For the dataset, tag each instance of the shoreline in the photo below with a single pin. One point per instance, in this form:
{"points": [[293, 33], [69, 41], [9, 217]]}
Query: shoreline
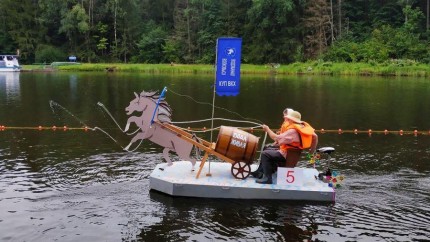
{"points": [[394, 68]]}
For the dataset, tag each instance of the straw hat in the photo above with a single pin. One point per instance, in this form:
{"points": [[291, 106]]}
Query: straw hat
{"points": [[286, 111], [294, 116]]}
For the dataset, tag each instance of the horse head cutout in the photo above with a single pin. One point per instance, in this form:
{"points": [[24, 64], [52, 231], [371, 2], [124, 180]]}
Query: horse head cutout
{"points": [[148, 104]]}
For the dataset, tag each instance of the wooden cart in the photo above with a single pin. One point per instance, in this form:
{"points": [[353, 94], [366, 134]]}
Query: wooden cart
{"points": [[239, 169]]}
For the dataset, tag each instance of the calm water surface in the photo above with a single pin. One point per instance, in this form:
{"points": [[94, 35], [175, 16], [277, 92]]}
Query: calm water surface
{"points": [[81, 186]]}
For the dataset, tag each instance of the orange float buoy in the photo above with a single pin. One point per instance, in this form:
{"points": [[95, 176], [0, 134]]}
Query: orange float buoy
{"points": [[339, 131], [40, 127], [401, 132], [54, 127], [64, 127], [415, 132], [385, 132], [322, 131], [355, 131], [86, 128]]}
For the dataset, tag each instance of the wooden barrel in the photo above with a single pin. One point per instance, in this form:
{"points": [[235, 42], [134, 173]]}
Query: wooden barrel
{"points": [[236, 144]]}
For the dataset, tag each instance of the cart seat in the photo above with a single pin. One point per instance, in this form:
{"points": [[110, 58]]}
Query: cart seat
{"points": [[293, 156]]}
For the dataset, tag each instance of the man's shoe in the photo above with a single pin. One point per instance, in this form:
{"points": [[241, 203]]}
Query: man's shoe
{"points": [[257, 174], [264, 180]]}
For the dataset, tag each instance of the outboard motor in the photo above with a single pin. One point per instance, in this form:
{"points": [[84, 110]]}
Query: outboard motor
{"points": [[324, 176]]}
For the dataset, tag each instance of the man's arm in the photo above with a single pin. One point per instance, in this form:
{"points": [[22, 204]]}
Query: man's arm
{"points": [[288, 137], [271, 134], [314, 143]]}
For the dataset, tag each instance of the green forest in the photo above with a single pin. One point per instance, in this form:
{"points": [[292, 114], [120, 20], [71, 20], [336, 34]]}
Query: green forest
{"points": [[185, 31]]}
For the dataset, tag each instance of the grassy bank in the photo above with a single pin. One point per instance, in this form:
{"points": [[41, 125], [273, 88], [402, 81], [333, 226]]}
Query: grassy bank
{"points": [[392, 68]]}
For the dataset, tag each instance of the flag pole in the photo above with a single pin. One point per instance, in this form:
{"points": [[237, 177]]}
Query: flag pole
{"points": [[214, 92], [213, 104], [213, 111]]}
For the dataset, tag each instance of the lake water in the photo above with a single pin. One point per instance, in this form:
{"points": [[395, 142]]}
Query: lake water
{"points": [[78, 185]]}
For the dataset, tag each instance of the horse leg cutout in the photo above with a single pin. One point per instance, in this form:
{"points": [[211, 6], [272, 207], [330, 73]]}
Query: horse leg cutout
{"points": [[193, 163], [166, 156], [183, 149], [130, 120], [138, 136], [127, 127]]}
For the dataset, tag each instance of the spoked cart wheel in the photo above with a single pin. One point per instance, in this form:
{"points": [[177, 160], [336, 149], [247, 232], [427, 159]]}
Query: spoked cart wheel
{"points": [[240, 170]]}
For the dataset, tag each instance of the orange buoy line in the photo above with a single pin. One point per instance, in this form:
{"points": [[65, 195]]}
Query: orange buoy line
{"points": [[253, 129], [370, 131], [40, 128], [341, 131]]}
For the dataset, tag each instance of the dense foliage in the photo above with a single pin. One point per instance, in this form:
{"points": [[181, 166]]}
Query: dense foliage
{"points": [[185, 31]]}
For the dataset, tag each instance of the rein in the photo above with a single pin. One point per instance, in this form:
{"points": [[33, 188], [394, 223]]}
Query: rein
{"points": [[158, 103]]}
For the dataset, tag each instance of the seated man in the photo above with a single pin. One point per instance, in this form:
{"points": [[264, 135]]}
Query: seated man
{"points": [[298, 135], [274, 146]]}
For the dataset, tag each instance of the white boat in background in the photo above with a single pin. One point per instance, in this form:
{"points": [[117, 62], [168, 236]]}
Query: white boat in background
{"points": [[9, 63]]}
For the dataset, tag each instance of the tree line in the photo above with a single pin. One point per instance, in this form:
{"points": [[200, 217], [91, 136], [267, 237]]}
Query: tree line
{"points": [[185, 31]]}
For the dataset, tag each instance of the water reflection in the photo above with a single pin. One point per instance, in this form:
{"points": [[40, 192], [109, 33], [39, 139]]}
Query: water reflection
{"points": [[10, 86], [73, 83], [231, 220]]}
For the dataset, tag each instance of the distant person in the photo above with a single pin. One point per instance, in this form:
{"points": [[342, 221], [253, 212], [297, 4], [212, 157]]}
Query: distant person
{"points": [[298, 135]]}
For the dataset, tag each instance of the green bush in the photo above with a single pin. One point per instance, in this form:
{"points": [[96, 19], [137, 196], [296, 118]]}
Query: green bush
{"points": [[150, 44], [385, 43], [328, 63], [48, 54]]}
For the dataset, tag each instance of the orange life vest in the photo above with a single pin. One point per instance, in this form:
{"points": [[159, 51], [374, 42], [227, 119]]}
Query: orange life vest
{"points": [[284, 127], [305, 132]]}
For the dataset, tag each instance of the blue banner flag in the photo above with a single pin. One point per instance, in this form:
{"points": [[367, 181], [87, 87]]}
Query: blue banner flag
{"points": [[228, 66]]}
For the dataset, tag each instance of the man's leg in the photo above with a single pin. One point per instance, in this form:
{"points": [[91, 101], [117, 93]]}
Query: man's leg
{"points": [[259, 172], [269, 159]]}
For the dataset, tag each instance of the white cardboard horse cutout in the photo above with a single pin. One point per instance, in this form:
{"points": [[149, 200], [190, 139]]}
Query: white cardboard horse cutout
{"points": [[146, 103]]}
